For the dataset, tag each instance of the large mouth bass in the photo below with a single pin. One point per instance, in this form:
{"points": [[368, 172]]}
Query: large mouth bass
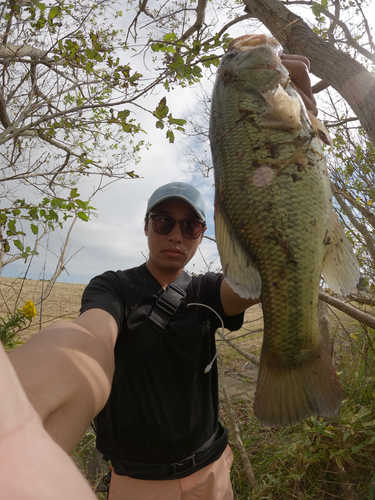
{"points": [[275, 228]]}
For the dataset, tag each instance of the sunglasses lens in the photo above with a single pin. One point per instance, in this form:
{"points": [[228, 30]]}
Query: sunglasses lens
{"points": [[162, 224], [191, 229]]}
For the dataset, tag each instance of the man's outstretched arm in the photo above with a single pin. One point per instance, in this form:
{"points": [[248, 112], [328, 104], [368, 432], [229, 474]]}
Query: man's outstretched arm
{"points": [[66, 372], [33, 466]]}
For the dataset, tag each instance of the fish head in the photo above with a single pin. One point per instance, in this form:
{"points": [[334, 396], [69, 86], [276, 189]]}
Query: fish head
{"points": [[255, 60]]}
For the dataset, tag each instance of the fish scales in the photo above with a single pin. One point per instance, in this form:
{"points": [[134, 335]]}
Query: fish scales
{"points": [[274, 226]]}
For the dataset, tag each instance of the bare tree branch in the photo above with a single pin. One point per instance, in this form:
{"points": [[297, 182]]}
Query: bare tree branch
{"points": [[237, 435], [351, 311], [201, 11]]}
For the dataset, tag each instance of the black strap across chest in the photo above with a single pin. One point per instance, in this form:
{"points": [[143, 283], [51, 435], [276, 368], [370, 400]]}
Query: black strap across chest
{"points": [[165, 307], [169, 301]]}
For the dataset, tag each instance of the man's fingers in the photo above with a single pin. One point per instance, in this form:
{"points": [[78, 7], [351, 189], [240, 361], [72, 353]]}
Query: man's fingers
{"points": [[298, 67], [296, 57]]}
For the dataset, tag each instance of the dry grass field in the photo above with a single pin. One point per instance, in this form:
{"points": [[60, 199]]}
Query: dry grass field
{"points": [[62, 303]]}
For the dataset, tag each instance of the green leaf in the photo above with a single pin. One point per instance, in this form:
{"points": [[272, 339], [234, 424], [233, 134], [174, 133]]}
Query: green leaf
{"points": [[34, 228], [159, 124], [162, 109], [170, 136], [176, 121], [54, 11], [177, 63], [81, 204], [122, 115], [18, 244], [33, 213], [169, 37], [83, 216], [53, 215], [12, 226], [41, 23], [41, 6], [197, 71], [74, 193]]}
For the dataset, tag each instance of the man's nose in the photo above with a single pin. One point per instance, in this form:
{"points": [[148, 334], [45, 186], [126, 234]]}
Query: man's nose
{"points": [[176, 234]]}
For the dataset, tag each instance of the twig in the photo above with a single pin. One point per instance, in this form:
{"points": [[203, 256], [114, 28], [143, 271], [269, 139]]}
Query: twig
{"points": [[251, 357], [351, 311], [237, 437]]}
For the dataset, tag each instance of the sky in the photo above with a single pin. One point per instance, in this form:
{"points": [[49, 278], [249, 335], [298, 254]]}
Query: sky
{"points": [[115, 238]]}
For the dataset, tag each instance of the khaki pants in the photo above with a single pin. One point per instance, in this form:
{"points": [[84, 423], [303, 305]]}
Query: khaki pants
{"points": [[210, 483]]}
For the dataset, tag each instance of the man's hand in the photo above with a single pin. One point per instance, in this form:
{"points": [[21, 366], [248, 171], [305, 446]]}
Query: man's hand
{"points": [[33, 466], [299, 67]]}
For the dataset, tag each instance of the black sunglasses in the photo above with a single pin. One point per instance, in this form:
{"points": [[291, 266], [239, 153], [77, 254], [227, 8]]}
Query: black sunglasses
{"points": [[190, 228]]}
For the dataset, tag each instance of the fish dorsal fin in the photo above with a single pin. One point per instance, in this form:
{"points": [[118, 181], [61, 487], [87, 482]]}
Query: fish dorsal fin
{"points": [[239, 270], [340, 265]]}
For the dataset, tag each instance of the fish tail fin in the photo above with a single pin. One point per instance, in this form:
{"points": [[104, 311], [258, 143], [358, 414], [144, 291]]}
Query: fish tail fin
{"points": [[286, 396]]}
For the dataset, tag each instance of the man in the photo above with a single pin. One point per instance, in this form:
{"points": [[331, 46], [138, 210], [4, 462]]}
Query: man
{"points": [[160, 426], [67, 370]]}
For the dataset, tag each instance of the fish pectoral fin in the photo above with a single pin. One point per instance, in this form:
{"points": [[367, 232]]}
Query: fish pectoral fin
{"points": [[283, 111], [239, 269], [286, 395], [320, 129], [340, 265]]}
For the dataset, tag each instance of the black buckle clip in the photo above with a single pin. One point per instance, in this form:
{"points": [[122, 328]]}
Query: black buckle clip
{"points": [[185, 464], [170, 299]]}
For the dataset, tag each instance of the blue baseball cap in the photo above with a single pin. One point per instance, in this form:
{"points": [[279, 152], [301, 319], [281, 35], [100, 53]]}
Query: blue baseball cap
{"points": [[181, 191]]}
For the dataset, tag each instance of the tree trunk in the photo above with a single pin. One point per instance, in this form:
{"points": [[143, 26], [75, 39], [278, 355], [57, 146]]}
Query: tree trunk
{"points": [[342, 72]]}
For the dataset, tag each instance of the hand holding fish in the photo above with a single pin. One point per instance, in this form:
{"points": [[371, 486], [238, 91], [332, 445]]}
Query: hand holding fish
{"points": [[298, 68]]}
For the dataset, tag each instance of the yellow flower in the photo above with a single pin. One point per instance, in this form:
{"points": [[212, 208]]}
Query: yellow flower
{"points": [[29, 310]]}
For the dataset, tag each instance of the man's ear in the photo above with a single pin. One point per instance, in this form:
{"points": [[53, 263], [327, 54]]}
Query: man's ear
{"points": [[146, 227], [204, 230]]}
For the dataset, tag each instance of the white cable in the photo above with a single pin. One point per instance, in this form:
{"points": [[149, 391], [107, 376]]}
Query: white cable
{"points": [[209, 366]]}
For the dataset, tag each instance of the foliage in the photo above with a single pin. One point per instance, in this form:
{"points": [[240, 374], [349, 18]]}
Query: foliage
{"points": [[14, 323], [69, 101], [89, 461], [47, 215], [352, 169], [60, 86], [320, 458]]}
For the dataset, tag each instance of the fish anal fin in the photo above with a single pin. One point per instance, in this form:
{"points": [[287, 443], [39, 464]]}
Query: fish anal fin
{"points": [[239, 269], [340, 266], [285, 396]]}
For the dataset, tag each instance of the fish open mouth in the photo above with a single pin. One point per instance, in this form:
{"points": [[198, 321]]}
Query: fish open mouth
{"points": [[246, 42]]}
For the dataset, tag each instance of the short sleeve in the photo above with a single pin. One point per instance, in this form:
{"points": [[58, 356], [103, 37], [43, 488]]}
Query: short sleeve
{"points": [[104, 292], [209, 288]]}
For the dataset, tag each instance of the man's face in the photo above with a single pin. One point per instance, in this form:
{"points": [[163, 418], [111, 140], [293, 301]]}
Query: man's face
{"points": [[171, 252]]}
